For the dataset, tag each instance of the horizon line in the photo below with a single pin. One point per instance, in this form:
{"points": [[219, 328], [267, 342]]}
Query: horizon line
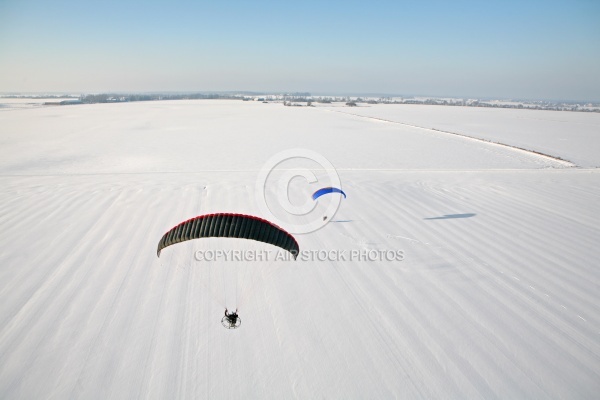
{"points": [[287, 93]]}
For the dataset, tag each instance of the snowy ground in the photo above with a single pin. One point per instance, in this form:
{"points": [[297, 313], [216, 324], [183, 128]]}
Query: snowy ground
{"points": [[498, 295], [573, 136]]}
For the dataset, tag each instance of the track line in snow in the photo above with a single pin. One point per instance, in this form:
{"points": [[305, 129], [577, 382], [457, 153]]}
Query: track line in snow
{"points": [[564, 163], [470, 261], [392, 356], [513, 297], [518, 278], [406, 238], [545, 294]]}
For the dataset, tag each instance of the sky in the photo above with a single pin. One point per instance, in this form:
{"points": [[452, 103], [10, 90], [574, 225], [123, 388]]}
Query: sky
{"points": [[476, 49]]}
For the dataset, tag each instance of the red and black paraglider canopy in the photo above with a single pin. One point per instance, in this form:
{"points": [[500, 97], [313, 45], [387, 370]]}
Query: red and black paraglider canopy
{"points": [[231, 226]]}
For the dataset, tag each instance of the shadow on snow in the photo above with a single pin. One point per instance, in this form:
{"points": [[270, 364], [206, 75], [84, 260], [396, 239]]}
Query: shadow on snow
{"points": [[452, 216]]}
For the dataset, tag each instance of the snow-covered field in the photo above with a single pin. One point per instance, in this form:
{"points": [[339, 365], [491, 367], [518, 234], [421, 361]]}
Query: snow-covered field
{"points": [[574, 136], [498, 294]]}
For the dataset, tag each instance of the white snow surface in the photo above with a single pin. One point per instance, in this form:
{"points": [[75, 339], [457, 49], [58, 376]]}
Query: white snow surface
{"points": [[573, 136], [497, 295]]}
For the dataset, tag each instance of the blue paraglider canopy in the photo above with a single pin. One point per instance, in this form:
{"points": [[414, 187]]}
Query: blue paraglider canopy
{"points": [[326, 190]]}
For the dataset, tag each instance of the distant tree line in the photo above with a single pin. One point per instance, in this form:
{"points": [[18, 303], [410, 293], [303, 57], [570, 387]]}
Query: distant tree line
{"points": [[295, 99], [117, 98]]}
